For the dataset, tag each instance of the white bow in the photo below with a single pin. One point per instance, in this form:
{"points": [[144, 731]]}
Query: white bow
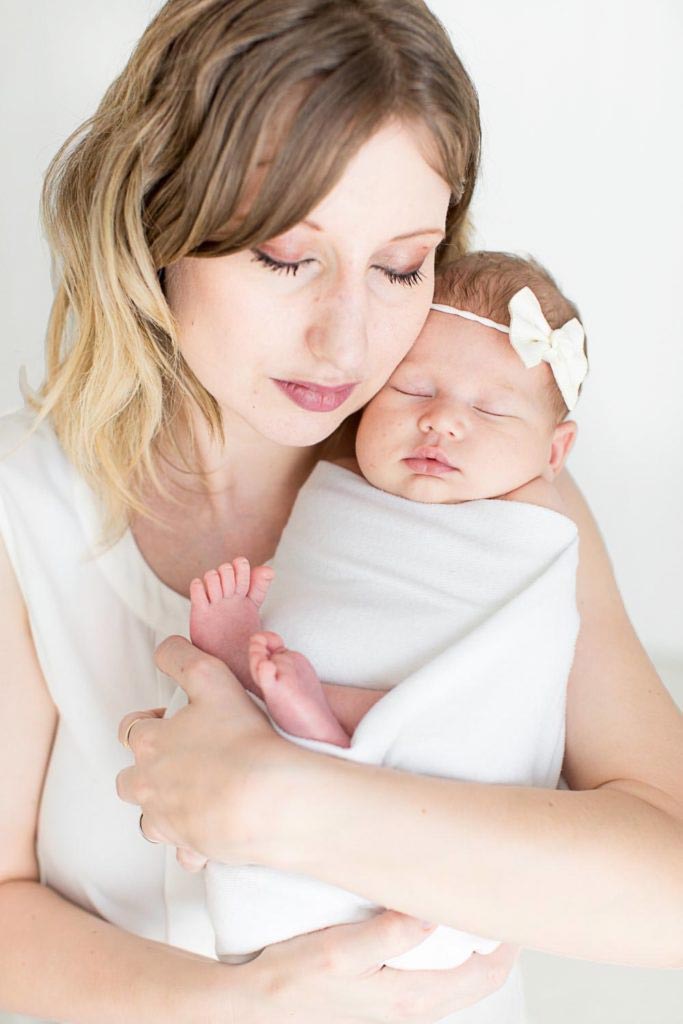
{"points": [[533, 340]]}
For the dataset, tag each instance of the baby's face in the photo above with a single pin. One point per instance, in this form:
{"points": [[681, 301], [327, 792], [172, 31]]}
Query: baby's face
{"points": [[463, 394]]}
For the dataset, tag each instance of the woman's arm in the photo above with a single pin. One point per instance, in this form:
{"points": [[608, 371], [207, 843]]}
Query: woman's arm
{"points": [[59, 962], [56, 960], [595, 873]]}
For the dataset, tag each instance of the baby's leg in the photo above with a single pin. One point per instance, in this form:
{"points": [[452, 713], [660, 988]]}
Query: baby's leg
{"points": [[292, 691], [225, 613]]}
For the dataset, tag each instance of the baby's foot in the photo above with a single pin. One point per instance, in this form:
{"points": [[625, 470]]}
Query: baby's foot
{"points": [[225, 612], [292, 691]]}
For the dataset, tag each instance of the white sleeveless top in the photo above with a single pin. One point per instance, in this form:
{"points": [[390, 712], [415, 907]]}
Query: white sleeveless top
{"points": [[95, 623]]}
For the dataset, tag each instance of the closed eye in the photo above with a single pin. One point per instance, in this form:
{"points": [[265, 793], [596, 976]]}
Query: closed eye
{"points": [[410, 278], [488, 412], [278, 265], [412, 394]]}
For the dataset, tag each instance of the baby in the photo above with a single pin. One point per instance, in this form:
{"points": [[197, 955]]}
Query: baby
{"points": [[474, 411], [430, 582]]}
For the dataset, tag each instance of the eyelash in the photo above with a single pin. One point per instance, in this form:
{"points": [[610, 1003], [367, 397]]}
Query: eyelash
{"points": [[410, 394], [413, 277], [487, 412]]}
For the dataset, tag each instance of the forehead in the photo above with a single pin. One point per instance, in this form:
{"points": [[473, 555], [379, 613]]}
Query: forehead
{"points": [[389, 184], [451, 348]]}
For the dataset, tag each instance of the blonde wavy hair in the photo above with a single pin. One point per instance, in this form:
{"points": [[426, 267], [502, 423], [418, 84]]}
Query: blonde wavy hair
{"points": [[162, 168]]}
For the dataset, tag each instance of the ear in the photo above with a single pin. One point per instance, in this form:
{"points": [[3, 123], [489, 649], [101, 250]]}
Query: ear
{"points": [[561, 444]]}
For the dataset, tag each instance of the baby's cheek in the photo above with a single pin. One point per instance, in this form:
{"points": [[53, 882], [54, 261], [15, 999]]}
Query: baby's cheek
{"points": [[374, 456]]}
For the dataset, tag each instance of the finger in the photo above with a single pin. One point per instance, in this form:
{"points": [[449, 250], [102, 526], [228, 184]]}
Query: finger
{"points": [[127, 728], [190, 860], [445, 991], [198, 673], [126, 785], [149, 832], [360, 947]]}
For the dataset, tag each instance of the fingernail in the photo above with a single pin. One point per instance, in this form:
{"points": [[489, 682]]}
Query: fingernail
{"points": [[427, 925]]}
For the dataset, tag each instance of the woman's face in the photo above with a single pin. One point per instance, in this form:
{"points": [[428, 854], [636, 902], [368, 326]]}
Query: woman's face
{"points": [[335, 302]]}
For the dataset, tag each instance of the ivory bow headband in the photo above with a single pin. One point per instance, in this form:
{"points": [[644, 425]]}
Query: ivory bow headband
{"points": [[533, 340]]}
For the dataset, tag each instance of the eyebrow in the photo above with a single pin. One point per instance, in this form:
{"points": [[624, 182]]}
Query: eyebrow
{"points": [[397, 238]]}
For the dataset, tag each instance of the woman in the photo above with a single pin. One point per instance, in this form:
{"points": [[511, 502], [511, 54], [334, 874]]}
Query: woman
{"points": [[211, 128], [231, 124]]}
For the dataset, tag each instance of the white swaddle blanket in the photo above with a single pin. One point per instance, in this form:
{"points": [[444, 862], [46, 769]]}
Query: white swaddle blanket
{"points": [[467, 612]]}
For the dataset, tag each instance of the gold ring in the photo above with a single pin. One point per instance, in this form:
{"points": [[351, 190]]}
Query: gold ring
{"points": [[142, 832], [125, 738]]}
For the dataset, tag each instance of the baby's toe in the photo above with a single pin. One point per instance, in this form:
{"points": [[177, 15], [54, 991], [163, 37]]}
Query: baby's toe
{"points": [[242, 575], [271, 641], [214, 587], [198, 595], [227, 575], [261, 578]]}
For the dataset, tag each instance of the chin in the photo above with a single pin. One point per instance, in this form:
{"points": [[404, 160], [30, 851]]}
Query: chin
{"points": [[430, 490], [291, 434]]}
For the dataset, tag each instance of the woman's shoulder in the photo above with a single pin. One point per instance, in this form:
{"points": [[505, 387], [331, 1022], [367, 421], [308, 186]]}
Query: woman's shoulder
{"points": [[18, 425], [30, 450], [13, 424]]}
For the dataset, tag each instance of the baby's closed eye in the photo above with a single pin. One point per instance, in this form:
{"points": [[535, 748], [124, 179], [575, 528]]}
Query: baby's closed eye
{"points": [[414, 392], [493, 412]]}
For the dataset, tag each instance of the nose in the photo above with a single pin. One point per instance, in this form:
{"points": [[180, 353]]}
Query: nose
{"points": [[447, 418], [338, 333]]}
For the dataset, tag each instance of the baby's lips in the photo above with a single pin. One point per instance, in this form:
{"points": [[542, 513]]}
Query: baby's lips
{"points": [[432, 452]]}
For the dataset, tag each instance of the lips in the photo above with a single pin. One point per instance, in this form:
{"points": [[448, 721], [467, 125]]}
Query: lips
{"points": [[430, 461], [432, 452], [315, 397]]}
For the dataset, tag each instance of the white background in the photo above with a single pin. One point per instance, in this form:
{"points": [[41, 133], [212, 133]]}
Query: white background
{"points": [[583, 168]]}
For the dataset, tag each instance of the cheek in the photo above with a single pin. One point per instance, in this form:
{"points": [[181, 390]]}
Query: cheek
{"points": [[395, 332], [211, 356], [224, 341], [382, 428], [372, 429], [225, 312], [518, 448]]}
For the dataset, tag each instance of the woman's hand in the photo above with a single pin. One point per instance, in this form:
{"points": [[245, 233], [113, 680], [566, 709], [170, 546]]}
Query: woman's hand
{"points": [[335, 975], [195, 774], [195, 778]]}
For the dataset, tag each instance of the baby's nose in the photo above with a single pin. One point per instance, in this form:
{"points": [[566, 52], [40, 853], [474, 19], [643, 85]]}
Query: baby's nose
{"points": [[446, 418]]}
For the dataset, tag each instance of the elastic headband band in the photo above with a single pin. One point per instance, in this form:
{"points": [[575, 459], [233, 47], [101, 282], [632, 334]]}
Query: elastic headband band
{"points": [[534, 341], [466, 315]]}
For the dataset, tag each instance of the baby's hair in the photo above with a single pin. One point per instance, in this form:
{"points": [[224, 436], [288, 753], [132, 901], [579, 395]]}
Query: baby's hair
{"points": [[483, 282]]}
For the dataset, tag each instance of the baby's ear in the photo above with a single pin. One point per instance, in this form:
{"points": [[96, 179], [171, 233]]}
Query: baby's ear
{"points": [[561, 444]]}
